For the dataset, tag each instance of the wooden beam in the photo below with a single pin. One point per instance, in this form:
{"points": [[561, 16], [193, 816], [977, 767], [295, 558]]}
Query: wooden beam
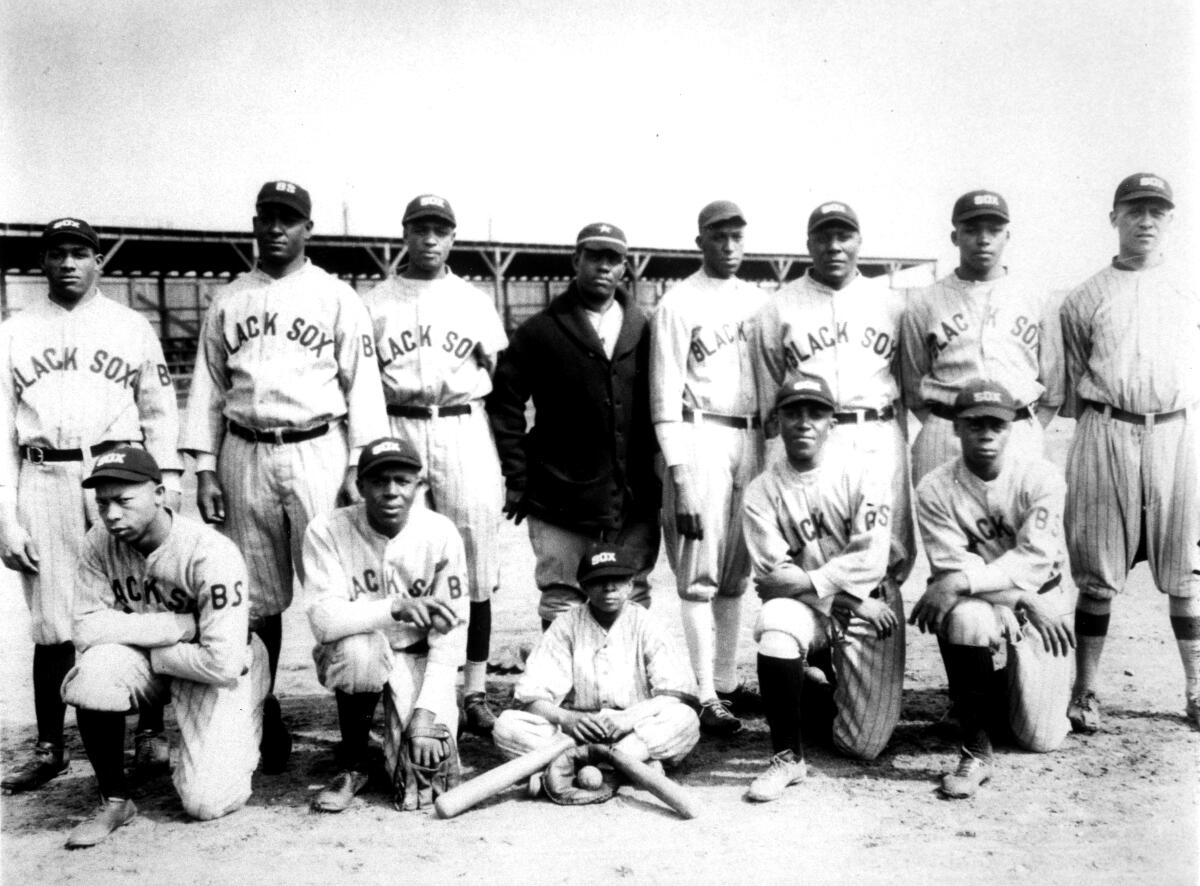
{"points": [[248, 262], [116, 247], [781, 267]]}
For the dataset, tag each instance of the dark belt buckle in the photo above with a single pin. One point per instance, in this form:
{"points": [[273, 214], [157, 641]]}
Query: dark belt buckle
{"points": [[35, 454]]}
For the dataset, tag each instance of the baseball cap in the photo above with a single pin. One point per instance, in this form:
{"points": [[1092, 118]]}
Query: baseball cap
{"points": [[126, 463], [827, 213], [985, 397], [807, 388], [599, 235], [1144, 186], [605, 560], [720, 211], [976, 204], [70, 229], [387, 451], [429, 206], [288, 194]]}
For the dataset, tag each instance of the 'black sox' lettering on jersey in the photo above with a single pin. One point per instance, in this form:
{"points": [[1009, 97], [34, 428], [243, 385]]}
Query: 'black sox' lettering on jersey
{"points": [[49, 361], [989, 528], [371, 583], [146, 591], [307, 335], [453, 342], [794, 352], [950, 329], [707, 342], [1026, 330], [114, 368]]}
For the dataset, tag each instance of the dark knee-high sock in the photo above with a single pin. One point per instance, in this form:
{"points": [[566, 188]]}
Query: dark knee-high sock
{"points": [[150, 718], [103, 734], [50, 666], [356, 711], [969, 673], [781, 683], [479, 636], [270, 631]]}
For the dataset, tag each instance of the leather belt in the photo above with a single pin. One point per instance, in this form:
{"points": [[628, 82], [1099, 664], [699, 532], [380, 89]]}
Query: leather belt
{"points": [[1136, 418], [855, 416], [276, 436], [1051, 584], [40, 454], [941, 410], [741, 422], [429, 411]]}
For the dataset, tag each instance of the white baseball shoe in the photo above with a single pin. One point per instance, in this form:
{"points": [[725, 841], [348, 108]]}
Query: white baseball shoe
{"points": [[784, 770], [115, 813]]}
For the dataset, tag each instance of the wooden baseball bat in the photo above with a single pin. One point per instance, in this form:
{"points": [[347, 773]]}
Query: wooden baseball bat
{"points": [[471, 793], [642, 776]]}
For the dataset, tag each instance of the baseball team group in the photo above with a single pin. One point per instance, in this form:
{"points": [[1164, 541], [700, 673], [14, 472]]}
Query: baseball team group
{"points": [[367, 449]]}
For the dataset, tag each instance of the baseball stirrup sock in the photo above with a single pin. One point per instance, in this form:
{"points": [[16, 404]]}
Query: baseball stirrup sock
{"points": [[781, 682], [697, 617], [1091, 624], [150, 718], [50, 666], [103, 735], [479, 635], [1187, 638], [356, 711], [969, 675], [270, 631], [727, 613]]}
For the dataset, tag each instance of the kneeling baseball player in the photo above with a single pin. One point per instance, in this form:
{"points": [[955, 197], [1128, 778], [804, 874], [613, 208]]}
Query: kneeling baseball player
{"points": [[993, 530], [388, 585], [161, 611], [817, 527], [605, 672]]}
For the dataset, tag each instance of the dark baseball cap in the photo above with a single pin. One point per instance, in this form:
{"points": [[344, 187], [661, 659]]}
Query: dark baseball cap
{"points": [[806, 388], [720, 211], [429, 206], [982, 397], [1144, 186], [125, 463], [833, 211], [387, 451], [70, 229], [978, 204], [605, 560], [285, 193], [600, 235]]}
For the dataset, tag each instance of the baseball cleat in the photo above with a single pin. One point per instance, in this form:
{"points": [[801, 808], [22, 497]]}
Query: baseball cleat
{"points": [[47, 761], [479, 718], [115, 812], [742, 701], [151, 752], [1084, 712], [964, 781], [785, 769], [338, 794], [717, 719]]}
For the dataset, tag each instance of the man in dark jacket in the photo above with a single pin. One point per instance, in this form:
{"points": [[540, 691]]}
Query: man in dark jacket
{"points": [[585, 470]]}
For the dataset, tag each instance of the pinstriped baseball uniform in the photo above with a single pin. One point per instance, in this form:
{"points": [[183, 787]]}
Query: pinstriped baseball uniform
{"points": [[70, 379], [582, 667], [1132, 340], [850, 338], [1006, 534], [351, 574], [956, 330], [832, 522], [175, 621], [437, 343], [288, 354], [700, 358]]}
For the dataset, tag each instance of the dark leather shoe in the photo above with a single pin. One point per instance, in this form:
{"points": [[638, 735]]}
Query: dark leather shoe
{"points": [[115, 812], [338, 794], [479, 717], [45, 763]]}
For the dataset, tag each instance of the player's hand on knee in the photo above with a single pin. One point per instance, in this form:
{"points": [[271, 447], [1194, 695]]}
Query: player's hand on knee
{"points": [[935, 604], [878, 615], [515, 508], [412, 610], [587, 728], [20, 551], [428, 744], [1010, 625], [210, 498], [1057, 636]]}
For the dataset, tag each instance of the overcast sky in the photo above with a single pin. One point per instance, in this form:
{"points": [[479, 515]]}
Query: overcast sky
{"points": [[537, 117]]}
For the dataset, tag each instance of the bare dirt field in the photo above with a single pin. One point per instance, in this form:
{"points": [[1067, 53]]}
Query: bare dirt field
{"points": [[1117, 807]]}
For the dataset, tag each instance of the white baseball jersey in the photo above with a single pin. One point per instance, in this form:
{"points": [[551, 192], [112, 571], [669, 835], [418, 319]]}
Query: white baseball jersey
{"points": [[1132, 341], [580, 666], [70, 379], [437, 343]]}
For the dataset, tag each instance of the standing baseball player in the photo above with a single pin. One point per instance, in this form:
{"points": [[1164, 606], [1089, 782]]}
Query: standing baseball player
{"points": [[1132, 339], [604, 672], [979, 321], [585, 471], [286, 390], [843, 327], [818, 533], [992, 527], [79, 375], [705, 413], [437, 338], [388, 590], [162, 613]]}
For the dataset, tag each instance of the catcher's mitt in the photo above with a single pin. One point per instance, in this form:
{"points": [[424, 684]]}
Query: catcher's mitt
{"points": [[558, 780], [414, 785]]}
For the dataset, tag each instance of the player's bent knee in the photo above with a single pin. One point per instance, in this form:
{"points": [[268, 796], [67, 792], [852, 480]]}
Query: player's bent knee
{"points": [[518, 732], [671, 733], [971, 623], [112, 677], [207, 805], [790, 618], [777, 644], [358, 663]]}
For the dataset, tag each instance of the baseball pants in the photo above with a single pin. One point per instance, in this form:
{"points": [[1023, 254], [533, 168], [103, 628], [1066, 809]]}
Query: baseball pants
{"points": [[670, 732], [220, 726], [1130, 485], [558, 552], [868, 670], [936, 444], [272, 490]]}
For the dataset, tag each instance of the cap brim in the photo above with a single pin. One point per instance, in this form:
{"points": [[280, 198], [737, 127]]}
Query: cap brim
{"points": [[429, 213], [721, 218], [603, 243], [804, 398], [399, 461], [1145, 195], [982, 212], [1000, 412], [613, 571], [70, 235], [834, 220], [105, 475]]}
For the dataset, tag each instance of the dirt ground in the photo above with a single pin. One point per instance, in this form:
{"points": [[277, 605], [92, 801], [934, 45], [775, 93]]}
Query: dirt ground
{"points": [[1116, 807]]}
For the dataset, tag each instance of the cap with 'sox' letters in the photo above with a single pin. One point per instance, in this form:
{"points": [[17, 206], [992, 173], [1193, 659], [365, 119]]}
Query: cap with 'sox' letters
{"points": [[984, 397], [285, 193], [70, 229], [979, 204], [387, 451], [1144, 186], [833, 211], [604, 560], [805, 388], [125, 463], [429, 206]]}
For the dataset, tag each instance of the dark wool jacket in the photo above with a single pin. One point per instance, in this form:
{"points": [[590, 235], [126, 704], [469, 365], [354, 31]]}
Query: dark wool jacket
{"points": [[587, 464]]}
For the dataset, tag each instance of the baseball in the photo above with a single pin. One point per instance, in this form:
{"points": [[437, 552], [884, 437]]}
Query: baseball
{"points": [[589, 778]]}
